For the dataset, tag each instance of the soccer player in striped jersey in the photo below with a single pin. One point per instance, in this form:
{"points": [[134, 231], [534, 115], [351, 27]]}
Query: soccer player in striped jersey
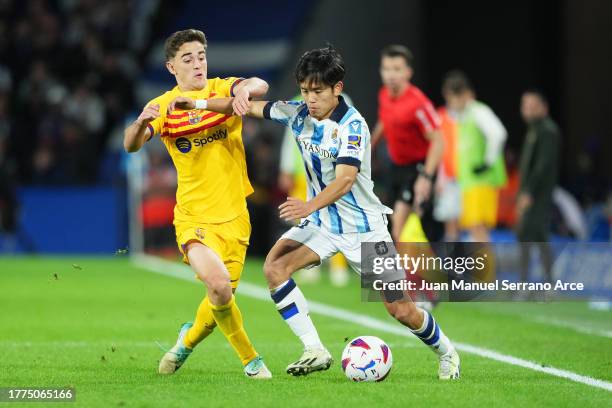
{"points": [[210, 217], [341, 211]]}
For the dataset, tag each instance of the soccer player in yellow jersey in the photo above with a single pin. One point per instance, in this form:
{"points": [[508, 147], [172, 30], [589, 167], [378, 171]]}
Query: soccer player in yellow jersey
{"points": [[210, 217]]}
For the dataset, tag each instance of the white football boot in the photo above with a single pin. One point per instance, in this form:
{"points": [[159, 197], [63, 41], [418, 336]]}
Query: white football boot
{"points": [[450, 366], [313, 359]]}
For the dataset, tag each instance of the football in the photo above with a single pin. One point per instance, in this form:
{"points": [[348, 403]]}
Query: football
{"points": [[366, 358]]}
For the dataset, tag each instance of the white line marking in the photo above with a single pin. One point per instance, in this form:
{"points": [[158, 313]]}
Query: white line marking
{"points": [[574, 327], [78, 344], [180, 271]]}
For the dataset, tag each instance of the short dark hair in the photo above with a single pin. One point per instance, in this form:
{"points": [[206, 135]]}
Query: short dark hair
{"points": [[396, 50], [174, 42], [537, 92], [320, 66], [456, 82]]}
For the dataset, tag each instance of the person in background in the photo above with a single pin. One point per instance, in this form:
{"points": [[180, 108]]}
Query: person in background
{"points": [[481, 171], [447, 206], [538, 169], [410, 126]]}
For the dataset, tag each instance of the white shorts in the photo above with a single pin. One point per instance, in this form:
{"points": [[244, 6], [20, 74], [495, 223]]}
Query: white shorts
{"points": [[325, 244], [448, 202]]}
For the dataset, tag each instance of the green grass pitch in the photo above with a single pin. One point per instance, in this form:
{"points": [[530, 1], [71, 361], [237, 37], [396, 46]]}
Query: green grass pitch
{"points": [[92, 323]]}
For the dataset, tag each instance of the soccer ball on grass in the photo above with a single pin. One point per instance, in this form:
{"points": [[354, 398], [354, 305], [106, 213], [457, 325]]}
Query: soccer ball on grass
{"points": [[366, 358]]}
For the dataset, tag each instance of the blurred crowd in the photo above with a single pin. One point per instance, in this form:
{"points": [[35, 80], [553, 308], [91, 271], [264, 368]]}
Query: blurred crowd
{"points": [[66, 74], [68, 70]]}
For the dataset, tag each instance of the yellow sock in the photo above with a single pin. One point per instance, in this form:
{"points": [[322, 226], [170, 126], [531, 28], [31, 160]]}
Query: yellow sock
{"points": [[202, 326], [229, 319], [338, 261]]}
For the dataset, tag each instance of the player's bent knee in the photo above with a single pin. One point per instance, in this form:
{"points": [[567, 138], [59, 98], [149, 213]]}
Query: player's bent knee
{"points": [[275, 272], [406, 312], [399, 313], [219, 287]]}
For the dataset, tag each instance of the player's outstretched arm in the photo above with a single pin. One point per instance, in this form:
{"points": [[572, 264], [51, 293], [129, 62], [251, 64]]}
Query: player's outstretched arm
{"points": [[219, 105], [294, 208], [246, 90], [138, 132], [256, 109], [255, 87]]}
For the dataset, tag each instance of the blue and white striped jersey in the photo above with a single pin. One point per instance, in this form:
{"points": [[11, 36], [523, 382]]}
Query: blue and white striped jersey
{"points": [[343, 138]]}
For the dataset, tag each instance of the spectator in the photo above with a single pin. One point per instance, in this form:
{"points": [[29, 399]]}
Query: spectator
{"points": [[8, 199], [68, 68], [538, 170], [410, 125], [447, 207], [481, 171]]}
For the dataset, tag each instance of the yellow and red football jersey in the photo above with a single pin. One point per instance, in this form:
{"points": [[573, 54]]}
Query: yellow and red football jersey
{"points": [[208, 153]]}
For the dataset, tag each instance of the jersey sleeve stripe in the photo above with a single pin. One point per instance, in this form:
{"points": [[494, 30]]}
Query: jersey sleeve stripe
{"points": [[351, 161], [421, 116], [236, 82], [433, 115], [266, 110], [197, 129], [152, 132], [186, 123], [177, 116]]}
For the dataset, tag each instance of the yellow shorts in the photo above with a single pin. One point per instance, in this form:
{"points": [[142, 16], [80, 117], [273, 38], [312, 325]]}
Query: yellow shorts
{"points": [[229, 240], [479, 207]]}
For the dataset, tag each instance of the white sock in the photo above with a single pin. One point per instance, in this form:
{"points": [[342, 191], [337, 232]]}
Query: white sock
{"points": [[431, 334], [291, 304]]}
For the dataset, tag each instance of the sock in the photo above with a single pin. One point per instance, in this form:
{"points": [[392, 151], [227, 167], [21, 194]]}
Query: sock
{"points": [[229, 320], [203, 325], [431, 334], [291, 304]]}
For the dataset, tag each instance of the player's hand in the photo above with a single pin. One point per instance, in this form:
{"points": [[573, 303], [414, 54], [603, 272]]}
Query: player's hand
{"points": [[294, 209], [481, 168], [523, 202], [422, 192], [182, 103], [148, 114], [242, 103]]}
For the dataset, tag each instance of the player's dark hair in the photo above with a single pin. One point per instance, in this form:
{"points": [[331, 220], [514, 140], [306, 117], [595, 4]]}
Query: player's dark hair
{"points": [[456, 82], [537, 92], [396, 50], [320, 66], [174, 42]]}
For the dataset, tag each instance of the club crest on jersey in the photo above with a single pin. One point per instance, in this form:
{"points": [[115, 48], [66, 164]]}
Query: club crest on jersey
{"points": [[199, 233], [194, 117]]}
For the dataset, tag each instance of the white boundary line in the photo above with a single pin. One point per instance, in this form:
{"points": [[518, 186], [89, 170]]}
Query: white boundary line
{"points": [[180, 271], [574, 327]]}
